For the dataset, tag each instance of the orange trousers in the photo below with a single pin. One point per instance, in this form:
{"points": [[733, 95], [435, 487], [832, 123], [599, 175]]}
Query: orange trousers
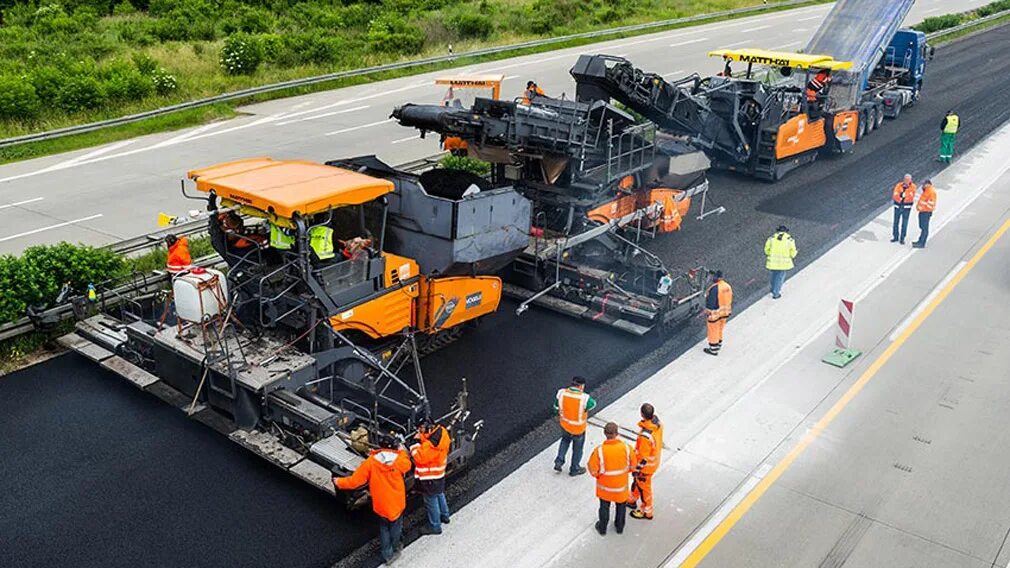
{"points": [[641, 489], [715, 331]]}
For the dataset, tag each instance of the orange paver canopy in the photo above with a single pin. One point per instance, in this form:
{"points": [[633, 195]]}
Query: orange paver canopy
{"points": [[286, 187]]}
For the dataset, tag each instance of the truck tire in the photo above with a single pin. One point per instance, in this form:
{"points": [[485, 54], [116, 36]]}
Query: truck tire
{"points": [[871, 119], [879, 110], [898, 105], [861, 125]]}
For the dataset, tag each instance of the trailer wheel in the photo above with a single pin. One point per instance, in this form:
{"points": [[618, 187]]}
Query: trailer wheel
{"points": [[879, 110], [861, 126], [871, 119]]}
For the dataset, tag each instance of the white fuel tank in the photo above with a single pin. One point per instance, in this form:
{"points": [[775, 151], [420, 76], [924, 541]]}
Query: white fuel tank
{"points": [[200, 294]]}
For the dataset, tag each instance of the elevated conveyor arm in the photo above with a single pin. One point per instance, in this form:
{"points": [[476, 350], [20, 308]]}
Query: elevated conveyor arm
{"points": [[677, 108]]}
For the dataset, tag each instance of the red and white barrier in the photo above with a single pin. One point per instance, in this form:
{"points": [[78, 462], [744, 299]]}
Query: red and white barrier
{"points": [[843, 332]]}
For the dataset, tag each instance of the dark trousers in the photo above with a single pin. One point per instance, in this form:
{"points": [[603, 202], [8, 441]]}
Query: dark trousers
{"points": [[619, 517], [900, 222], [577, 443], [924, 217], [389, 536], [438, 511]]}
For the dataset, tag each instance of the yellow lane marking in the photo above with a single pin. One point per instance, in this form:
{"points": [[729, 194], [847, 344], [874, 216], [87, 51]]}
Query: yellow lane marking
{"points": [[759, 490]]}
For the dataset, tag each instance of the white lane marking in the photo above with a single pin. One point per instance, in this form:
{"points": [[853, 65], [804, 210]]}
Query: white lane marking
{"points": [[87, 156], [787, 45], [740, 43], [810, 18], [671, 73], [931, 11], [525, 63], [324, 115], [355, 100], [359, 127], [716, 519], [56, 226], [690, 41], [801, 29], [17, 203], [407, 139], [510, 77], [757, 29], [928, 300], [187, 135]]}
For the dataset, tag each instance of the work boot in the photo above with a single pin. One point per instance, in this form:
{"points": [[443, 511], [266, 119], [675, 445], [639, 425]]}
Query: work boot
{"points": [[445, 520], [577, 471], [393, 558], [776, 296], [600, 528], [632, 505], [711, 351], [636, 514], [918, 245], [894, 240], [557, 466], [428, 530]]}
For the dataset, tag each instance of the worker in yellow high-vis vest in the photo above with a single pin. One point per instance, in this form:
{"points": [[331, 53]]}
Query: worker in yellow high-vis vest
{"points": [[780, 250], [948, 135]]}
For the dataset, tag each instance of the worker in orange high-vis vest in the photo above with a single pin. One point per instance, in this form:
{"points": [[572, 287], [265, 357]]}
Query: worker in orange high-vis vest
{"points": [[611, 463], [903, 197], [573, 405], [383, 471], [718, 307], [431, 456], [925, 206], [648, 451], [179, 259]]}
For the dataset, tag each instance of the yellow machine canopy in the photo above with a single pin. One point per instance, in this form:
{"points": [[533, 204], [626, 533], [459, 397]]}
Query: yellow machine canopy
{"points": [[286, 187], [781, 59]]}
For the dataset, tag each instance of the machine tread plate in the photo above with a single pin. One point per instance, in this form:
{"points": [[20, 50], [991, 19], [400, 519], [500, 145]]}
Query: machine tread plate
{"points": [[94, 352], [334, 450], [315, 474], [267, 446], [139, 377], [550, 302], [257, 375]]}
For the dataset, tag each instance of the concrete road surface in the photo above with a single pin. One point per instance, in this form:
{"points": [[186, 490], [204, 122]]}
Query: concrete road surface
{"points": [[104, 194], [773, 458]]}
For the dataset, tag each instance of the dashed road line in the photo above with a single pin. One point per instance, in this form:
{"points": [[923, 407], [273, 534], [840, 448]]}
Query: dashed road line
{"points": [[56, 226], [359, 127]]}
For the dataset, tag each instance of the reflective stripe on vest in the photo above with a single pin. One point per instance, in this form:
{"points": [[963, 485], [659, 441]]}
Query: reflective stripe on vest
{"points": [[321, 241], [780, 253], [613, 472], [649, 460], [280, 238], [581, 400], [953, 121]]}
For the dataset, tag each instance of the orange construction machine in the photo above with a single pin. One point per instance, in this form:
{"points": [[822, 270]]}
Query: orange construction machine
{"points": [[462, 91], [309, 343]]}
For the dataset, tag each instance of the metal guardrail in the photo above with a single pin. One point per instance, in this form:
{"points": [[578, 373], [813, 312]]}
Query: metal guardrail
{"points": [[80, 129], [154, 239], [968, 25]]}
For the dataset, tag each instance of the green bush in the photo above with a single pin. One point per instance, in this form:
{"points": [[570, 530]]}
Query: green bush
{"points": [[36, 277], [241, 54], [144, 63], [993, 7], [164, 82], [81, 92], [470, 25], [466, 164], [937, 23], [249, 19], [48, 82], [123, 8], [18, 99], [302, 48], [123, 82], [392, 34]]}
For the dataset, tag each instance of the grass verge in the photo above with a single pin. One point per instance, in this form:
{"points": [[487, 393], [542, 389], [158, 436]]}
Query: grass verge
{"points": [[164, 123], [202, 115]]}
